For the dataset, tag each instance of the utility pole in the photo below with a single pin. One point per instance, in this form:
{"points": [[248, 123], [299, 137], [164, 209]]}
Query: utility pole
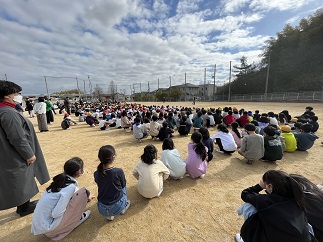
{"points": [[78, 88], [140, 92], [90, 86], [185, 88], [170, 84], [214, 83], [5, 75], [84, 89], [45, 84], [204, 93], [267, 77], [229, 96], [148, 88]]}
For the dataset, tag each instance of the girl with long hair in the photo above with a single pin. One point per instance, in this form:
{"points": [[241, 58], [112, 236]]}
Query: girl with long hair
{"points": [[111, 181], [278, 215], [61, 208], [236, 133], [196, 163], [150, 173]]}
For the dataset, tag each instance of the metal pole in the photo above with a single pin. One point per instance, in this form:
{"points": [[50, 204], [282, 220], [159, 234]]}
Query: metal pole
{"points": [[140, 92], [5, 76], [45, 84], [185, 88], [78, 88], [204, 93], [267, 77], [158, 85], [229, 97], [170, 84], [214, 83], [84, 88]]}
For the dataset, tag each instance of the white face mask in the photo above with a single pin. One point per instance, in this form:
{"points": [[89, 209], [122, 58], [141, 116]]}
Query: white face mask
{"points": [[18, 98]]}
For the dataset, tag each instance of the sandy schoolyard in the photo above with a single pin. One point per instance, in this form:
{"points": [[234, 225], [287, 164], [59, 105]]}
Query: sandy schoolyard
{"points": [[188, 210]]}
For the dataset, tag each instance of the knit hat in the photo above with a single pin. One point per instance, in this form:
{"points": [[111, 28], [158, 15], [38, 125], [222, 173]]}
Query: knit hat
{"points": [[286, 128]]}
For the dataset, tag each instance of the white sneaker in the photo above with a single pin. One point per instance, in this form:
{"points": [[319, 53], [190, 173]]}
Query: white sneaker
{"points": [[126, 207], [110, 218], [238, 238], [84, 217], [220, 151], [160, 192], [202, 176]]}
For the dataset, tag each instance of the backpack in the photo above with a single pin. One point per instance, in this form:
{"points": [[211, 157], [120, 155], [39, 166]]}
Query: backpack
{"points": [[65, 124]]}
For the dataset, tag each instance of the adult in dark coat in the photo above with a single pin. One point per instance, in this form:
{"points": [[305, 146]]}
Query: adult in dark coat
{"points": [[21, 157]]}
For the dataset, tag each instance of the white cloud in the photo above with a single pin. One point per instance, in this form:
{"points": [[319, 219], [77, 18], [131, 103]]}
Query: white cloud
{"points": [[281, 5], [128, 41]]}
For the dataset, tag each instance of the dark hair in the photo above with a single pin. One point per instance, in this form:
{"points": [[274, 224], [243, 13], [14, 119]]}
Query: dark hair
{"points": [[105, 155], [263, 119], [7, 88], [222, 128], [137, 120], [168, 144], [255, 122], [154, 118], [314, 118], [199, 146], [41, 99], [285, 186], [165, 124], [230, 112], [149, 155], [205, 133], [63, 180], [308, 186], [234, 126], [306, 128], [270, 130], [199, 114], [250, 127]]}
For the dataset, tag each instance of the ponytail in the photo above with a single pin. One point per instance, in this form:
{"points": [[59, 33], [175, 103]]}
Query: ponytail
{"points": [[234, 127], [199, 146], [106, 156], [59, 181]]}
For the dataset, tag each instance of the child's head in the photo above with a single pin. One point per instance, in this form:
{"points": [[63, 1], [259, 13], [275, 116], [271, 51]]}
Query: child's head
{"points": [[254, 122], [165, 125], [298, 125], [270, 131], [250, 127], [205, 132], [285, 129], [74, 167], [149, 155], [106, 156], [168, 144], [137, 120], [234, 125], [196, 137], [314, 118], [222, 128], [306, 128], [257, 111], [154, 118], [279, 182]]}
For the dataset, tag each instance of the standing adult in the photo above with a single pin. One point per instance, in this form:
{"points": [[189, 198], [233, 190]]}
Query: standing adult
{"points": [[30, 107], [67, 105], [49, 111], [40, 111], [21, 157]]}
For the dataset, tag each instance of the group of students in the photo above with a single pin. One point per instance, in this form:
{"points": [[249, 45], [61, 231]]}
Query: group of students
{"points": [[62, 206]]}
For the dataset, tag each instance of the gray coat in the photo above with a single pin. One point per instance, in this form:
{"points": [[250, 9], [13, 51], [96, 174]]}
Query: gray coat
{"points": [[18, 142]]}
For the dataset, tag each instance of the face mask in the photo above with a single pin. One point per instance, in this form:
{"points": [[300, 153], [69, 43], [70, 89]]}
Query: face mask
{"points": [[17, 99]]}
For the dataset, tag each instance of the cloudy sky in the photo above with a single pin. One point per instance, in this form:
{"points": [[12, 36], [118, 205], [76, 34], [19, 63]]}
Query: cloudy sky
{"points": [[135, 41]]}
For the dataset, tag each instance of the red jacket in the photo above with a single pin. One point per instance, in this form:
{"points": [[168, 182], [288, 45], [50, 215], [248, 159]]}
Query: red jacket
{"points": [[243, 120]]}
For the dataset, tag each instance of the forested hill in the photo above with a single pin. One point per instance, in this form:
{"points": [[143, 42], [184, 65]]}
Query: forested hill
{"points": [[296, 61]]}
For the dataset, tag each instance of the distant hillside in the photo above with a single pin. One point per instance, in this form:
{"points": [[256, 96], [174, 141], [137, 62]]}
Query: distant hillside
{"points": [[296, 61]]}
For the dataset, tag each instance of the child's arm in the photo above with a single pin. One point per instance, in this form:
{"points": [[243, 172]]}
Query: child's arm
{"points": [[135, 173]]}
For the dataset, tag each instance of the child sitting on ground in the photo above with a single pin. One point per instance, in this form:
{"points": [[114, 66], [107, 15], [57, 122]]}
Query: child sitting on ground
{"points": [[154, 128], [172, 159], [196, 163], [165, 132], [305, 139], [272, 144], [208, 142], [138, 130], [290, 140], [111, 181], [150, 173], [252, 146]]}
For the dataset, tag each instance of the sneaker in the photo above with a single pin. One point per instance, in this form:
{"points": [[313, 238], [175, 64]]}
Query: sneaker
{"points": [[126, 207], [220, 151], [202, 176], [238, 238], [68, 129], [110, 218], [139, 140], [160, 192], [249, 162], [84, 217]]}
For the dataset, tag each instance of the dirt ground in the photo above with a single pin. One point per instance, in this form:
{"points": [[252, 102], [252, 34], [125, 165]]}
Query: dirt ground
{"points": [[188, 210]]}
